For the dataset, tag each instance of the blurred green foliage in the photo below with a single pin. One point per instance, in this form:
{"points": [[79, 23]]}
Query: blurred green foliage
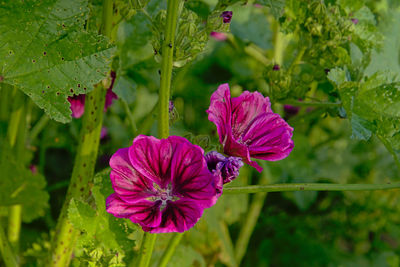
{"points": [[342, 73]]}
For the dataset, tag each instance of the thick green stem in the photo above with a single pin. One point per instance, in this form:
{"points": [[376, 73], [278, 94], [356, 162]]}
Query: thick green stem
{"points": [[173, 243], [308, 187], [146, 249], [14, 212], [82, 174], [85, 160], [167, 61], [251, 219], [7, 254], [166, 67]]}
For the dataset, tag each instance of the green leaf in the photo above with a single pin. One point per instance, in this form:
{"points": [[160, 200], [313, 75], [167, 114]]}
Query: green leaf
{"points": [[250, 24], [100, 229], [20, 186], [45, 52], [337, 75], [186, 256], [276, 6]]}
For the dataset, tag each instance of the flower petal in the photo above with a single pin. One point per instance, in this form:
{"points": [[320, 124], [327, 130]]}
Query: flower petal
{"points": [[178, 216], [269, 137], [128, 183], [219, 112], [245, 108], [146, 213], [191, 178], [77, 105], [152, 158]]}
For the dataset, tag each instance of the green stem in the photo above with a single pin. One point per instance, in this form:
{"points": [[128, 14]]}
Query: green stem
{"points": [[227, 244], [278, 43], [65, 236], [14, 212], [9, 258], [308, 187], [297, 60], [4, 101], [39, 126], [251, 219], [130, 117], [166, 67], [257, 54], [173, 243], [82, 174], [311, 104], [146, 249], [167, 59]]}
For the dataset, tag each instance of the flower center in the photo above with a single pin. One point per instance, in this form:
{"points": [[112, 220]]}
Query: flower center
{"points": [[163, 194]]}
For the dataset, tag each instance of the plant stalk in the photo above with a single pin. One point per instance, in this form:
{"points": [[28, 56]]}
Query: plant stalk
{"points": [[7, 254], [167, 61], [308, 187], [82, 174], [14, 211], [251, 218], [65, 236], [172, 244]]}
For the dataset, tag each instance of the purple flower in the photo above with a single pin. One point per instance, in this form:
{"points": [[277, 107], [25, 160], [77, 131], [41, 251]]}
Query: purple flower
{"points": [[354, 20], [171, 106], [247, 127], [219, 36], [77, 103], [103, 132], [163, 185], [225, 167], [226, 16], [276, 67]]}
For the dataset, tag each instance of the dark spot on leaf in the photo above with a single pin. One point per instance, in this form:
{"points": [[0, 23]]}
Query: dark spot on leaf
{"points": [[63, 25], [33, 61], [58, 93], [92, 112], [91, 97], [42, 91], [1, 79], [84, 88], [82, 189], [79, 85], [159, 72], [71, 90], [48, 86], [62, 58], [44, 53]]}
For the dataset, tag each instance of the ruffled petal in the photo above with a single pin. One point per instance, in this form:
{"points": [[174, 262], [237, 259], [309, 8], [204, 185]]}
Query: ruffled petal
{"points": [[268, 137], [220, 112], [152, 158], [245, 108], [128, 183], [190, 175], [146, 213], [178, 216]]}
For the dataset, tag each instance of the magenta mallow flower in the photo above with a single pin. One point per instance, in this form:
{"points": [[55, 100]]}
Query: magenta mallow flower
{"points": [[219, 36], [225, 167], [226, 16], [163, 185], [77, 105], [355, 21], [247, 127]]}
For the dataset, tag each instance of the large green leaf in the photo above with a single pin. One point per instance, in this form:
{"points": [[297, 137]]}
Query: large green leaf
{"points": [[45, 51]]}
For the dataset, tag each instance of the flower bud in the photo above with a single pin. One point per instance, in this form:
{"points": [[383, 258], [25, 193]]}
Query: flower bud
{"points": [[225, 167], [226, 16]]}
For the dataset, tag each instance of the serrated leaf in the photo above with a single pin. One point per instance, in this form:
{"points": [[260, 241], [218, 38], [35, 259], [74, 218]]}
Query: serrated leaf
{"points": [[276, 6], [45, 52]]}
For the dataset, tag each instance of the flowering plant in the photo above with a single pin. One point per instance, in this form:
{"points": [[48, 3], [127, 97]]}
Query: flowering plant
{"points": [[312, 105]]}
